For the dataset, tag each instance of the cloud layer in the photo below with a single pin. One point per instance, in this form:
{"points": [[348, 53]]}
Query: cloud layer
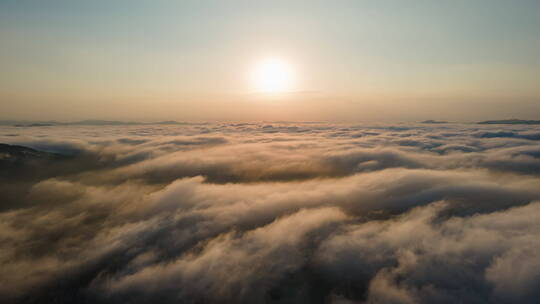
{"points": [[271, 213]]}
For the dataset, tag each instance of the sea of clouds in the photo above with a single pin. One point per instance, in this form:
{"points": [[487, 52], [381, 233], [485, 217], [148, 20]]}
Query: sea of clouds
{"points": [[272, 213]]}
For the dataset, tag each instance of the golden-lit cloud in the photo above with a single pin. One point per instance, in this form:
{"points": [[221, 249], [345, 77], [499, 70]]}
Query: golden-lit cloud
{"points": [[251, 213]]}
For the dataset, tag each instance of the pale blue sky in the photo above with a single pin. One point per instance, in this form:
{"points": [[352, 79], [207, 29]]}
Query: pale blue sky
{"points": [[189, 60]]}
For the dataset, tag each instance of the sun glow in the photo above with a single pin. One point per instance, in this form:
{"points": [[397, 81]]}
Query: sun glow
{"points": [[273, 76]]}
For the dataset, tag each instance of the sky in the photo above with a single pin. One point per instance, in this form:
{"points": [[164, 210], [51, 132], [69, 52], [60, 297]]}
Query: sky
{"points": [[193, 60]]}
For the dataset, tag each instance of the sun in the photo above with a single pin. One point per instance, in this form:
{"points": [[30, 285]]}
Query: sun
{"points": [[273, 76]]}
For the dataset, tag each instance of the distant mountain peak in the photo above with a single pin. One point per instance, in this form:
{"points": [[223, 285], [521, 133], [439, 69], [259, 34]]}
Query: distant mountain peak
{"points": [[430, 121], [513, 121]]}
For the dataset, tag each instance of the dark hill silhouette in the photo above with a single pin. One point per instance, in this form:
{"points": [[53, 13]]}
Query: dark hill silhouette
{"points": [[512, 121]]}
